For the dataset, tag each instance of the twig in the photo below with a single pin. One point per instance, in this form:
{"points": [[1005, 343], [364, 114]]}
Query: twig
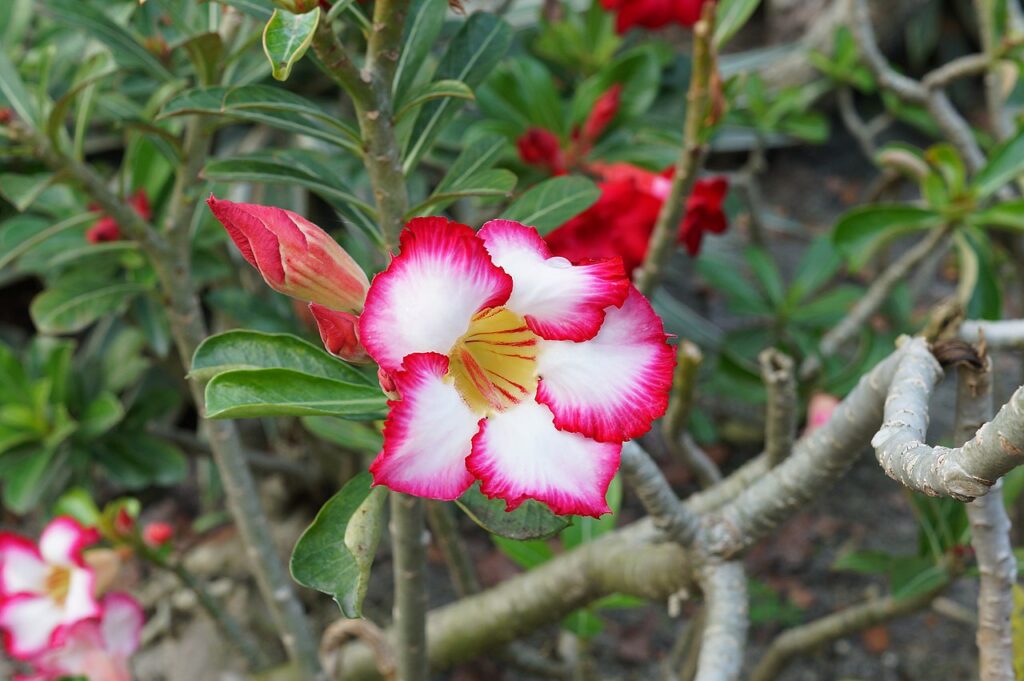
{"points": [[963, 473], [1005, 334], [410, 587], [862, 132], [872, 299], [990, 536], [188, 327], [961, 67], [341, 631], [446, 533], [725, 631], [673, 425], [999, 118], [780, 413], [669, 515], [807, 637], [691, 155]]}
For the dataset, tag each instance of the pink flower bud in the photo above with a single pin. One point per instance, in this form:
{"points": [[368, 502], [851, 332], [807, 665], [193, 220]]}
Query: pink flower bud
{"points": [[387, 384], [819, 410], [601, 116], [339, 332], [540, 147], [157, 534], [124, 523], [295, 257]]}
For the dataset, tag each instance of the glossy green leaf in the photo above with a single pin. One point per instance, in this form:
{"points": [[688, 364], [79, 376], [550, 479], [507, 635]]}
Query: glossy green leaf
{"points": [[100, 415], [273, 106], [553, 202], [496, 182], [206, 52], [352, 435], [730, 16], [137, 459], [767, 273], [243, 349], [479, 155], [286, 38], [26, 477], [527, 554], [439, 89], [532, 520], [71, 308], [22, 233], [726, 278], [335, 553], [79, 504], [474, 51], [1005, 215], [1005, 163], [860, 232], [285, 168], [126, 49], [422, 28], [23, 190], [13, 89], [251, 393]]}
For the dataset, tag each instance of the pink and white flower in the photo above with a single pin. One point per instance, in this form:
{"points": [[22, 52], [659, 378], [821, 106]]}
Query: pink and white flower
{"points": [[44, 589], [515, 368], [97, 649]]}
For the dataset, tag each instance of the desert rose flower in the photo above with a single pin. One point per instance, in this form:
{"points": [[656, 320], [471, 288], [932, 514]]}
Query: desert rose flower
{"points": [[542, 148], [107, 229], [623, 218], [295, 257], [653, 13], [606, 108], [97, 649], [511, 367], [44, 589]]}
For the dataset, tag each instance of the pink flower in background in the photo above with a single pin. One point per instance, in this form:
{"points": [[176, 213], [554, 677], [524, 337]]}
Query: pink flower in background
{"points": [[653, 13], [44, 589], [542, 148], [512, 367], [107, 229], [819, 410], [98, 648], [606, 108], [157, 534], [295, 257]]}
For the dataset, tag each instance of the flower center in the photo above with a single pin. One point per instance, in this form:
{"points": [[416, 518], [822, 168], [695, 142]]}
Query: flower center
{"points": [[494, 365], [57, 584]]}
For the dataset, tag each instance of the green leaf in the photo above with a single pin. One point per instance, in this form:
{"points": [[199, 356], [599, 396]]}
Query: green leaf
{"points": [[583, 623], [273, 106], [13, 89], [78, 503], [730, 16], [1005, 163], [421, 31], [23, 190], [439, 89], [137, 459], [26, 477], [248, 393], [335, 553], [767, 273], [243, 349], [352, 435], [860, 232], [818, 264], [474, 51], [22, 233], [268, 167], [126, 49], [532, 520], [100, 415], [726, 278], [494, 182], [286, 38], [527, 554], [477, 156], [551, 203], [867, 562], [1006, 215], [206, 51], [71, 308]]}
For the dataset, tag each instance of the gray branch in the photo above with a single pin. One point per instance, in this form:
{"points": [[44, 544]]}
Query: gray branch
{"points": [[780, 412], [725, 630], [963, 473], [669, 514], [997, 335], [990, 537]]}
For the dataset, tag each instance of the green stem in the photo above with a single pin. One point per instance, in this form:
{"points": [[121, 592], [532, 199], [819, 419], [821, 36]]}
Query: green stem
{"points": [[691, 155], [410, 612]]}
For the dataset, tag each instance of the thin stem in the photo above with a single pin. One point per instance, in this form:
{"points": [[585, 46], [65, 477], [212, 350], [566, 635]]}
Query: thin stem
{"points": [[691, 155], [872, 300], [990, 536], [670, 516], [673, 425], [999, 118], [725, 631], [172, 268], [228, 625], [780, 412], [410, 608], [854, 124], [807, 637], [442, 523]]}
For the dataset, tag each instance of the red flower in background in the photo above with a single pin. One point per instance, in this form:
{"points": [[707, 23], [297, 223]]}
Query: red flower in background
{"points": [[652, 13], [622, 220], [541, 147], [107, 229]]}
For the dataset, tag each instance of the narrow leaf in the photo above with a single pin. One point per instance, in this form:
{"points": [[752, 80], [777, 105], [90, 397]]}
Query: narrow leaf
{"points": [[860, 232], [286, 38], [71, 309], [251, 393], [1005, 164], [552, 202]]}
